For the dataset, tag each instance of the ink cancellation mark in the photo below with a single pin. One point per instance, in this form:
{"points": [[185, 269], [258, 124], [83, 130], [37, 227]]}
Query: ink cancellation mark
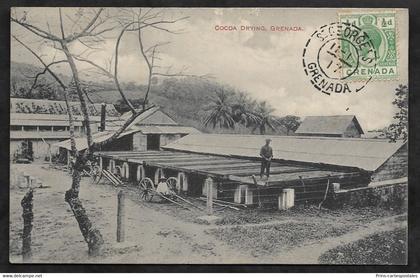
{"points": [[330, 66]]}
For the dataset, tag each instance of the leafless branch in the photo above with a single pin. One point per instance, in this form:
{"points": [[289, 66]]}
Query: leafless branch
{"points": [[117, 83], [46, 66], [36, 30], [86, 29], [61, 24], [46, 69], [102, 69], [61, 83]]}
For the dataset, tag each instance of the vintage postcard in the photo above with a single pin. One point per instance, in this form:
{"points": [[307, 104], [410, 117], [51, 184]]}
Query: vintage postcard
{"points": [[209, 135]]}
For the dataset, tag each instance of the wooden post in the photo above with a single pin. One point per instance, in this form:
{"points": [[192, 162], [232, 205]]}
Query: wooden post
{"points": [[120, 217], [27, 178], [209, 185], [49, 154], [27, 215], [68, 159], [103, 116], [126, 170], [140, 173], [287, 199]]}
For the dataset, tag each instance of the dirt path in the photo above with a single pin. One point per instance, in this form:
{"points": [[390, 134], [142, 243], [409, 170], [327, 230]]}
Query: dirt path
{"points": [[309, 253], [151, 236]]}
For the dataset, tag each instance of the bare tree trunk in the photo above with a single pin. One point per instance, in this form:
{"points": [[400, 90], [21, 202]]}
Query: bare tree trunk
{"points": [[91, 235], [71, 123], [80, 94], [28, 216]]}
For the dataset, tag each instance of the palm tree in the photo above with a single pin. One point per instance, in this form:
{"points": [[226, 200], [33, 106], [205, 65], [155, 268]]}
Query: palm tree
{"points": [[220, 111], [265, 117], [243, 111], [289, 122]]}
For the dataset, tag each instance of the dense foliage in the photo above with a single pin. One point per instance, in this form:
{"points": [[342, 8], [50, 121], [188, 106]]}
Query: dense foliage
{"points": [[385, 248], [399, 129]]}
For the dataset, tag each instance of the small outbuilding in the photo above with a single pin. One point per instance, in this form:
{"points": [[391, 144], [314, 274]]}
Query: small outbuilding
{"points": [[150, 131], [330, 126]]}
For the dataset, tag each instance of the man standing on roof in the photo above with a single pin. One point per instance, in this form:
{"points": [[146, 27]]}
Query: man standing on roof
{"points": [[266, 154]]}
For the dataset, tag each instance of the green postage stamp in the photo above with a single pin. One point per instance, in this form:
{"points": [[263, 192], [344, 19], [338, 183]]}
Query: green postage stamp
{"points": [[381, 29]]}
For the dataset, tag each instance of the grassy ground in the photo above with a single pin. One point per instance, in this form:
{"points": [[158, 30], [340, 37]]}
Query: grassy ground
{"points": [[311, 212], [272, 238], [380, 248]]}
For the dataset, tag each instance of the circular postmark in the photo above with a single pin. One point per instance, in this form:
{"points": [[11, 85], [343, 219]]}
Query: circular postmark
{"points": [[334, 54]]}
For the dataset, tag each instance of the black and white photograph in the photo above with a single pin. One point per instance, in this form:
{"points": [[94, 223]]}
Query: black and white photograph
{"points": [[146, 135]]}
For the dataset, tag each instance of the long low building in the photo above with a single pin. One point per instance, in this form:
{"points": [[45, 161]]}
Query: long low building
{"points": [[36, 124], [306, 164]]}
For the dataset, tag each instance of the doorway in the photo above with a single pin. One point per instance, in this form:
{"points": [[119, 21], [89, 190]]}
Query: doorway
{"points": [[153, 142], [27, 150]]}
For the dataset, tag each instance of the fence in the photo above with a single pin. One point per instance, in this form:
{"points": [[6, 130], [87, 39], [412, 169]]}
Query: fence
{"points": [[391, 193]]}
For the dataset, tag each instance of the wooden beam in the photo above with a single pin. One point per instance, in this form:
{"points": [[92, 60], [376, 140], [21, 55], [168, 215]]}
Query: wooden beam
{"points": [[181, 159], [201, 162], [156, 158], [124, 155], [304, 175], [253, 170], [180, 169], [225, 166], [279, 179]]}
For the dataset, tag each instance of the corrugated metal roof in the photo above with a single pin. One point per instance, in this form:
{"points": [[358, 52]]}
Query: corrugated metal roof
{"points": [[327, 124], [142, 116], [15, 135], [156, 129], [33, 122], [367, 154], [153, 116]]}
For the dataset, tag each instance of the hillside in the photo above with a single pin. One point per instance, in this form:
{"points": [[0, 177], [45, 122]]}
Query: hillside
{"points": [[184, 99]]}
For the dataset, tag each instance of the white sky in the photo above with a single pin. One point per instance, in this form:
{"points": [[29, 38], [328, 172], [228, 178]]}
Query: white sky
{"points": [[267, 65]]}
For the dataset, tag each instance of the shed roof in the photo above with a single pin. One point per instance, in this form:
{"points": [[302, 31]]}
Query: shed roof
{"points": [[17, 135], [366, 154], [234, 169], [158, 129], [36, 122], [335, 125], [153, 116], [81, 142]]}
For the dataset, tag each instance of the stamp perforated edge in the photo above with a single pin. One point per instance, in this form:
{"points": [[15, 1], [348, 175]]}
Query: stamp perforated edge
{"points": [[397, 34]]}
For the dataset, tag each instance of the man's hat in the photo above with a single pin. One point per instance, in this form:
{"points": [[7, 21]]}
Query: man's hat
{"points": [[267, 139]]}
